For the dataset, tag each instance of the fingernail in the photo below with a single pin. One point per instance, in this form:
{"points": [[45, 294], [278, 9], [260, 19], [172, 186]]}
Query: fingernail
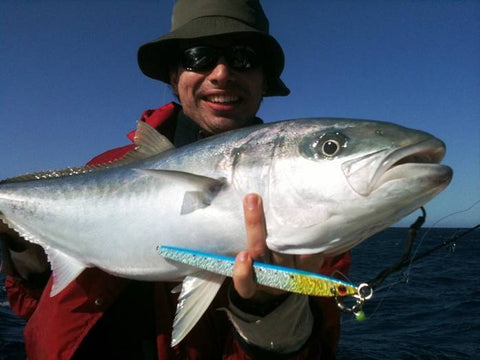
{"points": [[242, 257], [251, 202]]}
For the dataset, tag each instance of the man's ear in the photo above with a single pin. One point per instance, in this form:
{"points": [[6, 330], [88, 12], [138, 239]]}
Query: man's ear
{"points": [[174, 81]]}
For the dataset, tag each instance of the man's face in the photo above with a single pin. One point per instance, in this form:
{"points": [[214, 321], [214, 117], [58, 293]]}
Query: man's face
{"points": [[219, 99]]}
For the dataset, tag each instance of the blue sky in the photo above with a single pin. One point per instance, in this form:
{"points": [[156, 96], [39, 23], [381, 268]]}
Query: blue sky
{"points": [[71, 88]]}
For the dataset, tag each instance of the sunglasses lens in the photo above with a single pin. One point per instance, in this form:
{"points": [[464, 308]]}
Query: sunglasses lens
{"points": [[242, 58], [199, 58], [204, 58]]}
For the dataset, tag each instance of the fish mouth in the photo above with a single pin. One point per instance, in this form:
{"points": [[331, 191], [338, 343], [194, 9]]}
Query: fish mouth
{"points": [[421, 159]]}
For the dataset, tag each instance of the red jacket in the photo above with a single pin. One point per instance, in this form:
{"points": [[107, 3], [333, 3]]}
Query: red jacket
{"points": [[99, 312]]}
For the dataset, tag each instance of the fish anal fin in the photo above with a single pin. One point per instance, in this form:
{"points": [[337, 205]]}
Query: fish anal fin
{"points": [[198, 291], [65, 269]]}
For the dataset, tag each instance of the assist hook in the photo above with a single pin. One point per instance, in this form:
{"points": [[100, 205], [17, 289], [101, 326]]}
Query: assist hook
{"points": [[364, 293]]}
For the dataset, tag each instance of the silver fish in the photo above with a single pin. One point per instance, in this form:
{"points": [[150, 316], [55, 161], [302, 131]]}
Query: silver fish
{"points": [[326, 184]]}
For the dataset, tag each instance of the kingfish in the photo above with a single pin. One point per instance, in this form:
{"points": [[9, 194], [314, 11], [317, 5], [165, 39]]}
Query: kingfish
{"points": [[326, 184]]}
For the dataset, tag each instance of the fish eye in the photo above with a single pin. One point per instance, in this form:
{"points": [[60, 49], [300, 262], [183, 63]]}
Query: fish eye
{"points": [[330, 145]]}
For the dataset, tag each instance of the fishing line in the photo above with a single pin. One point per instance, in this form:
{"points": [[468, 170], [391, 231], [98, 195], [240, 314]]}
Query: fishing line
{"points": [[452, 240], [446, 217], [365, 290], [458, 212], [384, 296], [412, 234], [407, 259]]}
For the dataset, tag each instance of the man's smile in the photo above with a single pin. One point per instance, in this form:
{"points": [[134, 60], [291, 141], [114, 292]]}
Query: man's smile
{"points": [[223, 99]]}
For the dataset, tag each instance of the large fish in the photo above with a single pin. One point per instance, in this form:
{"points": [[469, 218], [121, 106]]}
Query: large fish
{"points": [[327, 184]]}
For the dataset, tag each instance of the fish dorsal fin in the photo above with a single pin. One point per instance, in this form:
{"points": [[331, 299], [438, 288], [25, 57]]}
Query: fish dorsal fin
{"points": [[65, 269], [148, 142], [196, 296]]}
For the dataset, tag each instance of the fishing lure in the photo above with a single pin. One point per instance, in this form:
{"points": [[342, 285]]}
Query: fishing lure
{"points": [[283, 278]]}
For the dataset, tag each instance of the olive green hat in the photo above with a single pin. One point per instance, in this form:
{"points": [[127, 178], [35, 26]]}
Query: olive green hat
{"points": [[198, 19]]}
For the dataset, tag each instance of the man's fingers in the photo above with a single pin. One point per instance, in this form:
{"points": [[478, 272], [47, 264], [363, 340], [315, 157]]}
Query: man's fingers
{"points": [[243, 280], [255, 227]]}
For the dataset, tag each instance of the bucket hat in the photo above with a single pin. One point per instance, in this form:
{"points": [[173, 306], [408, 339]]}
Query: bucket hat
{"points": [[194, 20]]}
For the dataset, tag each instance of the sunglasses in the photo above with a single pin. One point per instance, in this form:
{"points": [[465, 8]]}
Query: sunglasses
{"points": [[205, 58]]}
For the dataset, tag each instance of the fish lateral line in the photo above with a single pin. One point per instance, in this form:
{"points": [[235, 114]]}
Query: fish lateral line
{"points": [[279, 277]]}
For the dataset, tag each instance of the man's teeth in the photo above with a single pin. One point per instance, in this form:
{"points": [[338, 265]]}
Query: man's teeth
{"points": [[222, 99]]}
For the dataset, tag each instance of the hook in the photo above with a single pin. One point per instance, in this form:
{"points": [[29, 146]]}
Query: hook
{"points": [[364, 293]]}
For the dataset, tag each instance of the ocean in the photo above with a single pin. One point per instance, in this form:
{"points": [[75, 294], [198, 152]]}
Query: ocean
{"points": [[430, 310]]}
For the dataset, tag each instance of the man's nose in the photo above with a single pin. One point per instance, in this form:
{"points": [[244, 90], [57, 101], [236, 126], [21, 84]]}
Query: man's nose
{"points": [[221, 74]]}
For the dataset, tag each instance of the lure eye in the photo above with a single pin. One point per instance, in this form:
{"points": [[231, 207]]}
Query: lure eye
{"points": [[342, 290], [330, 145]]}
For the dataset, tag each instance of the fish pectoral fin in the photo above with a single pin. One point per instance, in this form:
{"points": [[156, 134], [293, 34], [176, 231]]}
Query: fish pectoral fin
{"points": [[198, 291], [204, 189], [194, 200], [65, 269]]}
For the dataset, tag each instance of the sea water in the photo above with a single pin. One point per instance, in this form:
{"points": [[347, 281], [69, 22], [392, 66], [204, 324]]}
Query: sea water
{"points": [[429, 310]]}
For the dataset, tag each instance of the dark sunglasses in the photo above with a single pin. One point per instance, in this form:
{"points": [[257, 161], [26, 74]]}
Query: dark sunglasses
{"points": [[205, 58]]}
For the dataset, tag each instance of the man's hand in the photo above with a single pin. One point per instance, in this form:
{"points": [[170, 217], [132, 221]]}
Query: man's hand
{"points": [[15, 242], [256, 229], [20, 258]]}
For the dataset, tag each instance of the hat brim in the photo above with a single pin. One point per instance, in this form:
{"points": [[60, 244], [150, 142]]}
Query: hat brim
{"points": [[156, 57]]}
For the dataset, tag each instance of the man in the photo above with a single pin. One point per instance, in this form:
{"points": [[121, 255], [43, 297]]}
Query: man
{"points": [[220, 62]]}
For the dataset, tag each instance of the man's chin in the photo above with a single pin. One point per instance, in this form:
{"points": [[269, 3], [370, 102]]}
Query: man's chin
{"points": [[220, 124]]}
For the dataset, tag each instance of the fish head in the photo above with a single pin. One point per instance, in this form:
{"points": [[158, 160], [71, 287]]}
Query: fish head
{"points": [[335, 182]]}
